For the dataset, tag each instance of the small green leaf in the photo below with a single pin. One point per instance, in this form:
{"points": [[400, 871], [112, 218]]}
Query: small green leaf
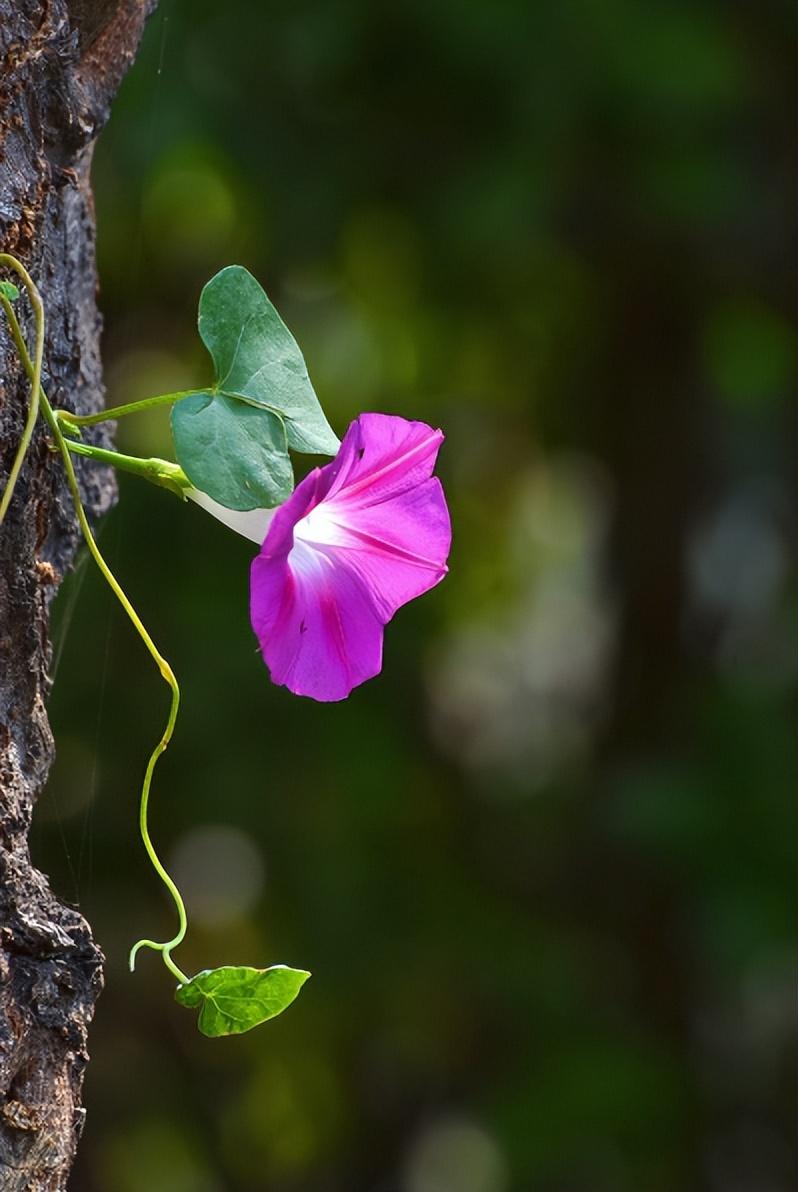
{"points": [[258, 360], [9, 290], [234, 452], [236, 999]]}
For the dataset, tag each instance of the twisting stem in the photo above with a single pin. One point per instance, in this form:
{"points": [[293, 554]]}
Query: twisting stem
{"points": [[131, 407], [163, 666], [35, 376]]}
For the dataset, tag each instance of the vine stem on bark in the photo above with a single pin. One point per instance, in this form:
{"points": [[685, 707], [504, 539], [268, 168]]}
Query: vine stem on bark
{"points": [[61, 62]]}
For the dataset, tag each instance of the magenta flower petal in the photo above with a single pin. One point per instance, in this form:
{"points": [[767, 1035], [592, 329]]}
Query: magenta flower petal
{"points": [[355, 541], [319, 632]]}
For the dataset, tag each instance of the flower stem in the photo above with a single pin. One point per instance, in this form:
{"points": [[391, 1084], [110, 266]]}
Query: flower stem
{"points": [[132, 407], [35, 376], [163, 666], [158, 471]]}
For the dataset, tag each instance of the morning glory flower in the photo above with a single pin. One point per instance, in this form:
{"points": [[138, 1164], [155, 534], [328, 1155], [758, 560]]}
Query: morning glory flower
{"points": [[356, 540]]}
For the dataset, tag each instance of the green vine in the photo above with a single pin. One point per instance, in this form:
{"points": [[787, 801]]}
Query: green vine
{"points": [[39, 396], [231, 999], [35, 371]]}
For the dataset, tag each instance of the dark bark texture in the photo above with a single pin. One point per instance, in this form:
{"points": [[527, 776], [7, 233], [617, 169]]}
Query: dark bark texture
{"points": [[61, 62]]}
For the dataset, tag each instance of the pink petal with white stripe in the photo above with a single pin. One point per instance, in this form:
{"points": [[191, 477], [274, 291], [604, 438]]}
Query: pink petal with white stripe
{"points": [[356, 540]]}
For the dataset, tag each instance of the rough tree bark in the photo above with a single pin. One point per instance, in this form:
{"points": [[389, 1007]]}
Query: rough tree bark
{"points": [[61, 62]]}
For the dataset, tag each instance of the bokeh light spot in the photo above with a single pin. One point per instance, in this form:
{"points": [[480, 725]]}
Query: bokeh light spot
{"points": [[220, 872]]}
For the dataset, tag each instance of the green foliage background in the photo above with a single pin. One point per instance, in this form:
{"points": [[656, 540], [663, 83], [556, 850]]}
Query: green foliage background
{"points": [[542, 869]]}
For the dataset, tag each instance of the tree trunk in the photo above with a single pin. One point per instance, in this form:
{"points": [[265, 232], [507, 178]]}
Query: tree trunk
{"points": [[61, 62]]}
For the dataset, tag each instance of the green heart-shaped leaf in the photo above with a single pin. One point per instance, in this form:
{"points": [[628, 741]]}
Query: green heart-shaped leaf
{"points": [[257, 358], [234, 452], [236, 999], [9, 290]]}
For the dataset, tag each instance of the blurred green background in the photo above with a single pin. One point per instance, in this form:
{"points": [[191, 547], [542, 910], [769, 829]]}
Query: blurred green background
{"points": [[542, 869]]}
